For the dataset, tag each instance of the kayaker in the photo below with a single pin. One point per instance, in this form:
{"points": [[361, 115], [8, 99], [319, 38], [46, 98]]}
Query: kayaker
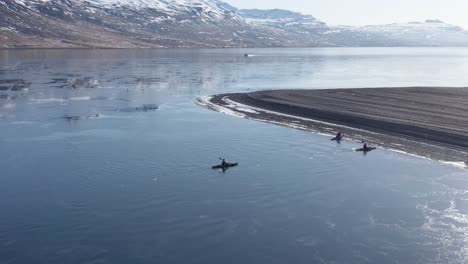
{"points": [[223, 162], [338, 135], [365, 147]]}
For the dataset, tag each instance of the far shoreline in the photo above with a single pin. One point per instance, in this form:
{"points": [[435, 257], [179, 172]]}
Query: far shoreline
{"points": [[429, 122], [239, 48]]}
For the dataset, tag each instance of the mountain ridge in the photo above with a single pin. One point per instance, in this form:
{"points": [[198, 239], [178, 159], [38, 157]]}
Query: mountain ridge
{"points": [[196, 23]]}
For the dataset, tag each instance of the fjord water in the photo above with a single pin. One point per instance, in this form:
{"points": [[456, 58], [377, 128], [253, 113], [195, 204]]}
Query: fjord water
{"points": [[117, 183]]}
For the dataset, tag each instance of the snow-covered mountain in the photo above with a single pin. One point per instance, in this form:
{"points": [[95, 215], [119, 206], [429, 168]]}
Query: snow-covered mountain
{"points": [[195, 23], [201, 9], [295, 25], [431, 32], [283, 19], [122, 23]]}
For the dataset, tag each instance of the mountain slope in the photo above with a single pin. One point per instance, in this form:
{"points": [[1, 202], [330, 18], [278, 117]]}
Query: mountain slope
{"points": [[195, 23], [430, 33], [112, 23]]}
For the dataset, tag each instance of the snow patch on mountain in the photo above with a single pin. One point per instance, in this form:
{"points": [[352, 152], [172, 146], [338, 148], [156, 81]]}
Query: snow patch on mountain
{"points": [[196, 23], [432, 32], [171, 7]]}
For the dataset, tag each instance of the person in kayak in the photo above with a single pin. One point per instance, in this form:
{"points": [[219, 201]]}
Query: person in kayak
{"points": [[338, 135], [224, 163], [365, 148]]}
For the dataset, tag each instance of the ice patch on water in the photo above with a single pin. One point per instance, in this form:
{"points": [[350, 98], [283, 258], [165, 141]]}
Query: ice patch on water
{"points": [[228, 111], [49, 100], [60, 100], [9, 106], [240, 107], [100, 133], [206, 102], [80, 98], [409, 154], [458, 164], [24, 122], [203, 100]]}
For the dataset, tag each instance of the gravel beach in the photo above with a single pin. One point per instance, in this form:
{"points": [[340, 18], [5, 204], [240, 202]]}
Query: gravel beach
{"points": [[426, 121]]}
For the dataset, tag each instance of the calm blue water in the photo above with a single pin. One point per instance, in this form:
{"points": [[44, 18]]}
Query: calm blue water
{"points": [[134, 186]]}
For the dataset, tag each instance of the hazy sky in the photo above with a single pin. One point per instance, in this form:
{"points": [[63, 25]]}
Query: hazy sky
{"points": [[363, 12]]}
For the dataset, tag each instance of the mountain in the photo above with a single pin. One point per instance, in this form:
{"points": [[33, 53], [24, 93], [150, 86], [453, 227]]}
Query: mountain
{"points": [[431, 32], [195, 23], [120, 23], [289, 23], [134, 23]]}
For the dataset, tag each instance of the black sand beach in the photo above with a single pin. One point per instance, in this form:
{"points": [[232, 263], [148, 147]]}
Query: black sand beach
{"points": [[427, 121]]}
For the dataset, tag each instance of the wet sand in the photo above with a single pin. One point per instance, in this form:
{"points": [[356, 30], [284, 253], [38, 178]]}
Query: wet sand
{"points": [[426, 121]]}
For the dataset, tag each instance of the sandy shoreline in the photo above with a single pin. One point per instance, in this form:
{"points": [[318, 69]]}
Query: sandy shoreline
{"points": [[427, 121]]}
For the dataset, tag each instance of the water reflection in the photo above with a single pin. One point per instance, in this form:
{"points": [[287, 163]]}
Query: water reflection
{"points": [[79, 171]]}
